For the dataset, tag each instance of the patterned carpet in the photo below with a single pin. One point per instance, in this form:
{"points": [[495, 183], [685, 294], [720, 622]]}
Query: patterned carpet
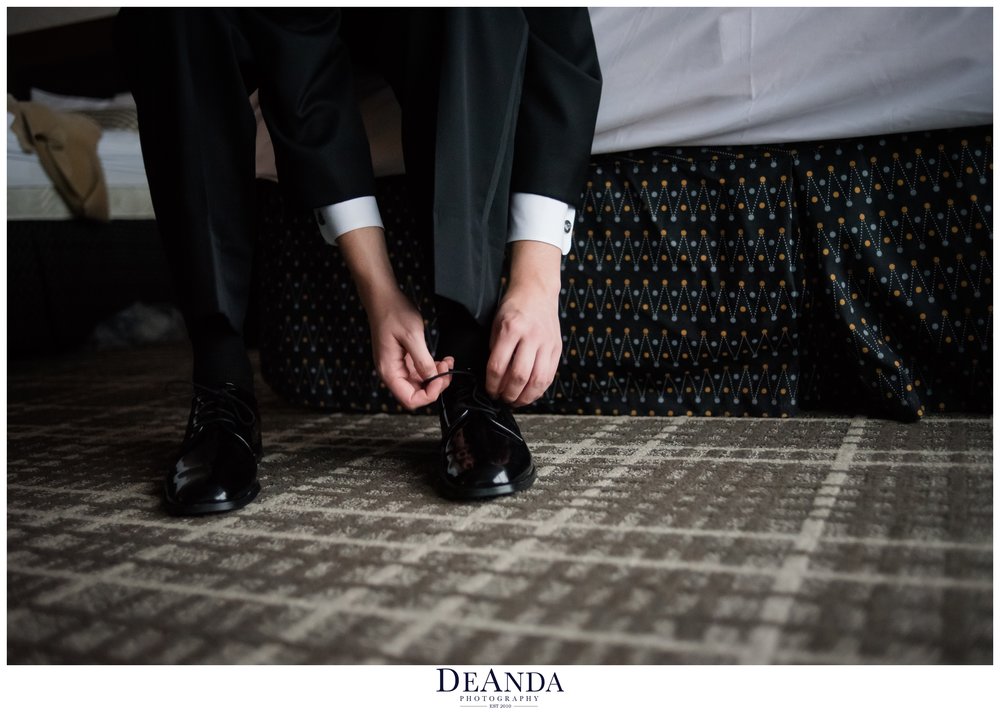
{"points": [[645, 540]]}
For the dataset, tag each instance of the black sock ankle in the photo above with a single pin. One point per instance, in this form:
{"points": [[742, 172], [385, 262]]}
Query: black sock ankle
{"points": [[220, 355], [462, 337]]}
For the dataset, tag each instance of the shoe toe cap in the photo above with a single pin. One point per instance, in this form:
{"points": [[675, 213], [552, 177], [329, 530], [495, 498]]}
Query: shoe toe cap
{"points": [[212, 475]]}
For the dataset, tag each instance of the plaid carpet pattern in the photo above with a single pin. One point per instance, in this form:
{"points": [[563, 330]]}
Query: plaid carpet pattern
{"points": [[646, 540]]}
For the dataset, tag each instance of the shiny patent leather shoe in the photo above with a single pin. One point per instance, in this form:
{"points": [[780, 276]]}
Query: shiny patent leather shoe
{"points": [[217, 467], [483, 452]]}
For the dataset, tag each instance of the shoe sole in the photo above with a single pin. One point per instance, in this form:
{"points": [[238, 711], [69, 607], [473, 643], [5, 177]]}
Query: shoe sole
{"points": [[467, 495], [184, 510]]}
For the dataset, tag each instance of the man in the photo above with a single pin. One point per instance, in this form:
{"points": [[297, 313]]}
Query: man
{"points": [[191, 72]]}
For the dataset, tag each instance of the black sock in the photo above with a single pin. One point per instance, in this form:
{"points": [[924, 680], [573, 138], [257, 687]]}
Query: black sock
{"points": [[461, 336], [220, 355]]}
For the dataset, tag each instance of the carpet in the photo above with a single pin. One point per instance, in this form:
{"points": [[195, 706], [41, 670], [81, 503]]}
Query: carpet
{"points": [[819, 539]]}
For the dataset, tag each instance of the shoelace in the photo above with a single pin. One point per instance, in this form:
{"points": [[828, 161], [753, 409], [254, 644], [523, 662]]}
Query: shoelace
{"points": [[217, 405], [469, 398]]}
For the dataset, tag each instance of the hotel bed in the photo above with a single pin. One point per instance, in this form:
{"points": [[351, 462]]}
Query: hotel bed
{"points": [[787, 207], [30, 193], [66, 274]]}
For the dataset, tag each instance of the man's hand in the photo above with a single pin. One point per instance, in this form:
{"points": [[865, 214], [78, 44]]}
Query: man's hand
{"points": [[399, 349], [526, 345], [400, 352]]}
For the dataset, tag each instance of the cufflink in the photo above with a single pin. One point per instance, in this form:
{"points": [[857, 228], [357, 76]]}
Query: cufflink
{"points": [[319, 217], [567, 226]]}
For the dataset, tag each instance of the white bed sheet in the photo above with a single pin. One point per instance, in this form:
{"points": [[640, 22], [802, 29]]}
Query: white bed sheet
{"points": [[704, 76]]}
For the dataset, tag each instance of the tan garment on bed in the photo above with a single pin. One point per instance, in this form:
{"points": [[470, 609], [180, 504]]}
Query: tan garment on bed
{"points": [[66, 145]]}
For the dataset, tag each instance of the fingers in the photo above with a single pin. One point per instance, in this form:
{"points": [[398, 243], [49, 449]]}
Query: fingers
{"points": [[526, 380], [410, 394], [555, 358], [542, 375], [538, 380], [407, 386], [519, 371], [523, 360], [402, 359], [410, 368], [395, 369], [436, 387], [416, 349], [505, 341], [543, 370]]}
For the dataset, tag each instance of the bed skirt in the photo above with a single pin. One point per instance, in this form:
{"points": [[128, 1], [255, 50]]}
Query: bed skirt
{"points": [[66, 276], [849, 275]]}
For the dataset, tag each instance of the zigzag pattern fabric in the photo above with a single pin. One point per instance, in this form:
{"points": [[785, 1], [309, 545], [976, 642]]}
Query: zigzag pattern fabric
{"points": [[901, 238], [684, 291], [728, 281]]}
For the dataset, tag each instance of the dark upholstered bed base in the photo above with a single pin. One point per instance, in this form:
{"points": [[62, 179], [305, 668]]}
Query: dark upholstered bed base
{"points": [[852, 274]]}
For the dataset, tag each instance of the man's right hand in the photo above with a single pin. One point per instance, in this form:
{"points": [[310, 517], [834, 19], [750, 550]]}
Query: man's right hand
{"points": [[399, 349]]}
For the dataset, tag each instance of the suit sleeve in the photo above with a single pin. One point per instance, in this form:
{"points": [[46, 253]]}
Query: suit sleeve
{"points": [[559, 102], [308, 102]]}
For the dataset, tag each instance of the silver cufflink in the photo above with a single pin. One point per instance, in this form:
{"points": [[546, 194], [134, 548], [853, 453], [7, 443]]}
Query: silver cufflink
{"points": [[567, 226]]}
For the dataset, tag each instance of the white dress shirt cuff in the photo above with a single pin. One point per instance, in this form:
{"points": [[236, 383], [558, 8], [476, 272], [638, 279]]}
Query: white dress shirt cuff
{"points": [[535, 217], [334, 220]]}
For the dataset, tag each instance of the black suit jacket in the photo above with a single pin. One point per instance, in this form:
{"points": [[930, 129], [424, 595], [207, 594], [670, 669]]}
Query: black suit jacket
{"points": [[495, 101], [518, 102]]}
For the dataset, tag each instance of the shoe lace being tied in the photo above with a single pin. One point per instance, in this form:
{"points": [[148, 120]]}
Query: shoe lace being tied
{"points": [[217, 405], [466, 393]]}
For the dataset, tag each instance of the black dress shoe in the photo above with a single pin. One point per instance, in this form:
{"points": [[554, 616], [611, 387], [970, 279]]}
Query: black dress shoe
{"points": [[217, 467], [483, 452]]}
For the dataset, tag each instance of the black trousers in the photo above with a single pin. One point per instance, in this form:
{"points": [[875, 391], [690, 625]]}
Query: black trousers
{"points": [[191, 71], [493, 100]]}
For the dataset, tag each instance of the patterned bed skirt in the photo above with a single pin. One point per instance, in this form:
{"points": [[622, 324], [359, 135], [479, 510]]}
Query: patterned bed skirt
{"points": [[755, 280]]}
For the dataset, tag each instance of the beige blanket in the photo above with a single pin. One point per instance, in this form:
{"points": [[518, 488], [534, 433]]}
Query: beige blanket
{"points": [[66, 145]]}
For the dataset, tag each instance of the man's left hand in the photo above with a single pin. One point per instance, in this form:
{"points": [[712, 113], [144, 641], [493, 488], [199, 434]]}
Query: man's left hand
{"points": [[525, 346]]}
